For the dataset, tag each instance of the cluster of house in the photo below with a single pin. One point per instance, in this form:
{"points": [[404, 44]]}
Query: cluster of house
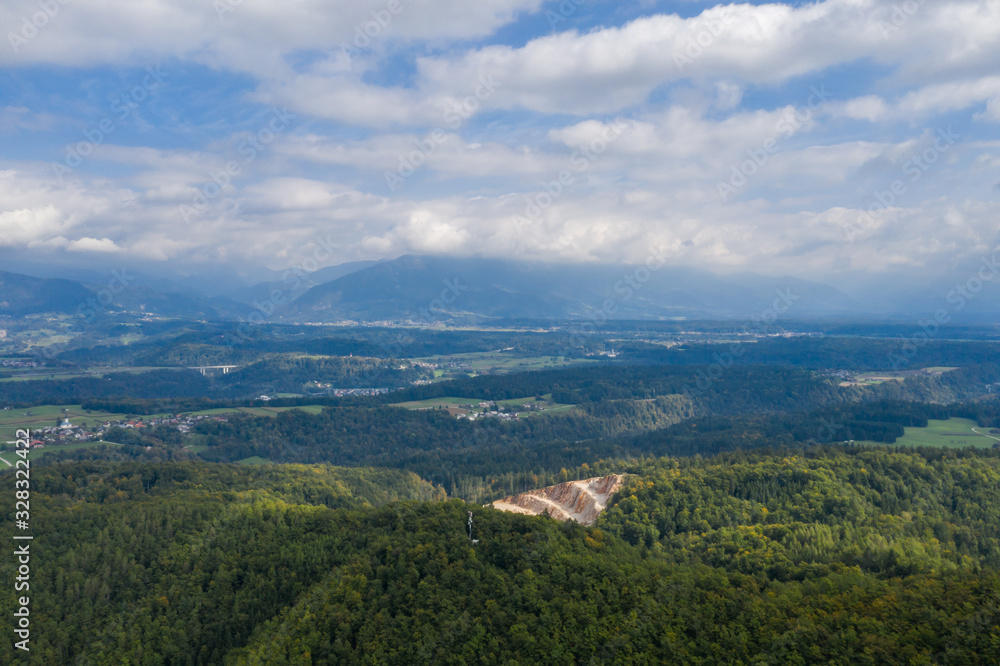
{"points": [[503, 416], [488, 409], [14, 363], [66, 433], [357, 391], [454, 365], [326, 388]]}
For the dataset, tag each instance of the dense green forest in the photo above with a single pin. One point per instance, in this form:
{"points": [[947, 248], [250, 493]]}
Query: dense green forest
{"points": [[514, 455], [480, 459], [298, 374], [719, 389], [828, 556], [748, 529], [151, 385]]}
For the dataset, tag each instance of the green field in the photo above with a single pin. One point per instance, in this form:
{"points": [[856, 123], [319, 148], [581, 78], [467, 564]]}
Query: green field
{"points": [[8, 456], [454, 404], [12, 420], [254, 411], [497, 361], [254, 460], [550, 410], [953, 433], [29, 374], [434, 403]]}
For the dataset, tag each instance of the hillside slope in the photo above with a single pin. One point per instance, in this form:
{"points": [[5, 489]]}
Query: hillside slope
{"points": [[23, 294], [425, 288], [838, 556]]}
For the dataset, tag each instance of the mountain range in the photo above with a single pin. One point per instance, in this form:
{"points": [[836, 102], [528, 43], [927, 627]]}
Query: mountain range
{"points": [[430, 289], [23, 294], [426, 289]]}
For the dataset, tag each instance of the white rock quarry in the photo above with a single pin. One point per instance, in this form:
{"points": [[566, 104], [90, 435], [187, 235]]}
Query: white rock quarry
{"points": [[581, 501]]}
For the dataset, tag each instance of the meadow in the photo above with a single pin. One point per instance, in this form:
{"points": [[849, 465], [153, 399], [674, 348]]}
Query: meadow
{"points": [[954, 433]]}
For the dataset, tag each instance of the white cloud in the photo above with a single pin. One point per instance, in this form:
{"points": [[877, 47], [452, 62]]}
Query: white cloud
{"points": [[612, 68], [870, 107], [949, 96], [254, 36], [93, 245], [16, 118], [992, 112], [677, 88], [344, 98], [26, 226]]}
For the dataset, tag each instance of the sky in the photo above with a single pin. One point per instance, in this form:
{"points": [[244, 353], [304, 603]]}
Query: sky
{"points": [[832, 140]]}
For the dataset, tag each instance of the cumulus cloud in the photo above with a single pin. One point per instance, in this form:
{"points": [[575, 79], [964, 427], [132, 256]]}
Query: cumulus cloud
{"points": [[93, 245], [613, 68], [736, 138], [25, 226], [248, 35]]}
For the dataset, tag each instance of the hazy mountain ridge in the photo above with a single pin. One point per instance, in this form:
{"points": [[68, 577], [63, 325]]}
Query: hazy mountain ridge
{"points": [[294, 282], [22, 294], [432, 289], [440, 288]]}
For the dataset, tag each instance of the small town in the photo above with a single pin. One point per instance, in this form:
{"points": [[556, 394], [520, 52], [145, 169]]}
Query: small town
{"points": [[64, 432]]}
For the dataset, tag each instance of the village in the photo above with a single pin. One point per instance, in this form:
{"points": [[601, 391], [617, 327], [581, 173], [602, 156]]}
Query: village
{"points": [[489, 409], [318, 388], [64, 432]]}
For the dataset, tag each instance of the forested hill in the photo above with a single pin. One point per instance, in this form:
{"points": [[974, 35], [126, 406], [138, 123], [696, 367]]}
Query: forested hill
{"points": [[21, 295], [485, 459], [715, 389], [834, 556]]}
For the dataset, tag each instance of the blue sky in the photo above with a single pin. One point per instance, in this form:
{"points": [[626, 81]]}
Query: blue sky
{"points": [[837, 138]]}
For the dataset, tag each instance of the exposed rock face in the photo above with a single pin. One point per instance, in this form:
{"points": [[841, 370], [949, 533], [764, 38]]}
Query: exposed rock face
{"points": [[581, 501]]}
